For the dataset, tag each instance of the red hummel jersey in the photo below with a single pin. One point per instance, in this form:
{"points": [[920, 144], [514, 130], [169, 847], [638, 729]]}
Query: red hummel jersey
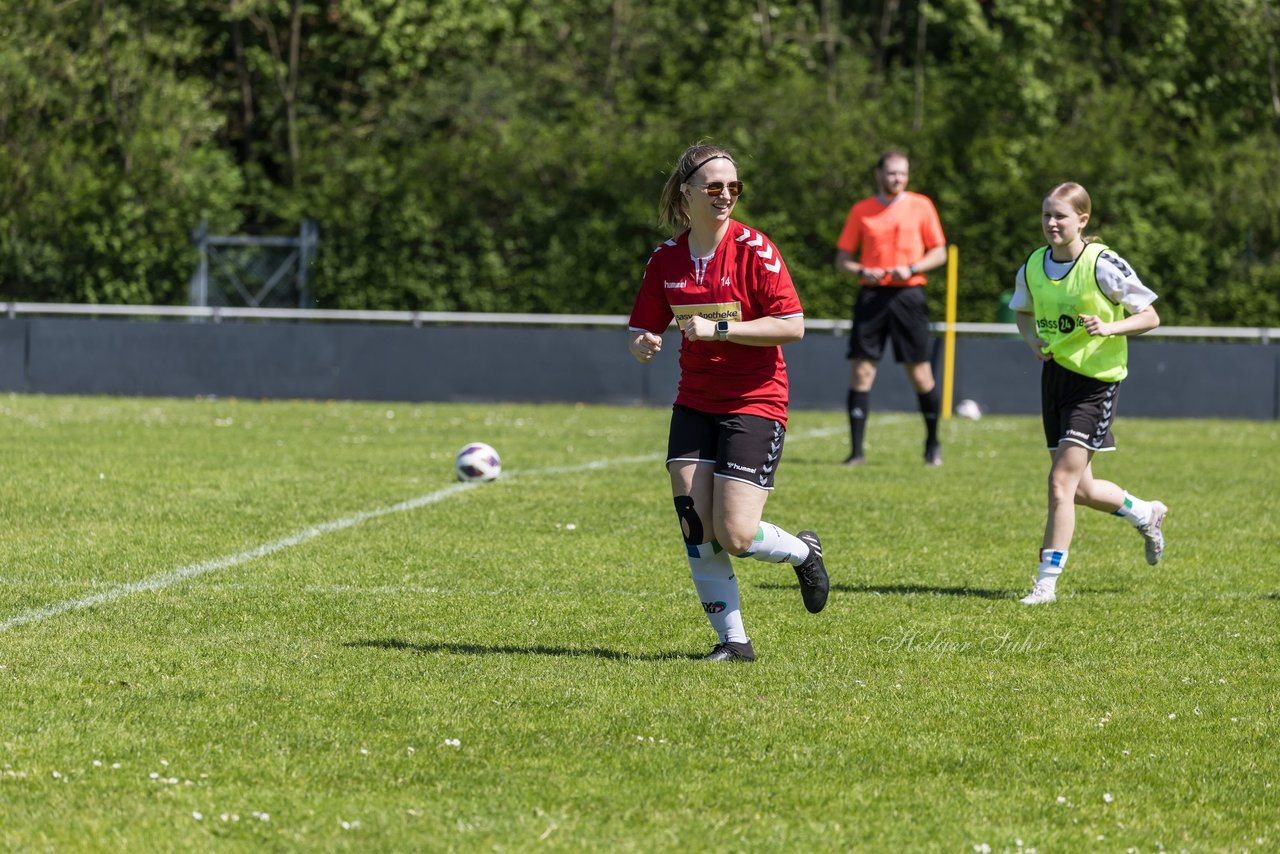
{"points": [[744, 279]]}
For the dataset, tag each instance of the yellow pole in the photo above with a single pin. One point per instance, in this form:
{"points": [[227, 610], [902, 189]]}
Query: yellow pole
{"points": [[949, 335]]}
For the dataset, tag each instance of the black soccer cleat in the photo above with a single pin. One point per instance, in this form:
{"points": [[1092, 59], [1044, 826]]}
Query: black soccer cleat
{"points": [[732, 651], [814, 585]]}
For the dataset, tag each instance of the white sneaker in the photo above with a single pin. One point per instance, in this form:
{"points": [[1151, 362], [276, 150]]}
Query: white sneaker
{"points": [[1152, 533], [1041, 594]]}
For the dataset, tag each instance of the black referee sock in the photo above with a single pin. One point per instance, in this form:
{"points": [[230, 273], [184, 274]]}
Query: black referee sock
{"points": [[929, 408], [858, 405]]}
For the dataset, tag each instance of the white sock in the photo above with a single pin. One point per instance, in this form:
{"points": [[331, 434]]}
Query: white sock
{"points": [[774, 545], [1052, 562], [1135, 510], [717, 588]]}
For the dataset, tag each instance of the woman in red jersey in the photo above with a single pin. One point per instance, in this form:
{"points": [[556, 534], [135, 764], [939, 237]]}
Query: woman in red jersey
{"points": [[727, 289]]}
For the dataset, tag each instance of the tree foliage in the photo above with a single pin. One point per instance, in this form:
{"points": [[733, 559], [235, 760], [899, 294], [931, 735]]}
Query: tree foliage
{"points": [[482, 155]]}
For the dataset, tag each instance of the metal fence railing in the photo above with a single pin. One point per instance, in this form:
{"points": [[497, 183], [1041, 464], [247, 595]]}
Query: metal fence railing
{"points": [[216, 314]]}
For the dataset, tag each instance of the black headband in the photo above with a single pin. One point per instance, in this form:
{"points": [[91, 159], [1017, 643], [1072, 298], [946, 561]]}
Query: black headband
{"points": [[689, 174]]}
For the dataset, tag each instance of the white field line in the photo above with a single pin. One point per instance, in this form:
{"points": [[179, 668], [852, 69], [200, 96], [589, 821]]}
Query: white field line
{"points": [[168, 579], [177, 576]]}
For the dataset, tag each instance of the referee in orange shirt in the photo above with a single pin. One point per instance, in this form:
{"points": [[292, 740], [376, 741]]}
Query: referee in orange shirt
{"points": [[900, 238]]}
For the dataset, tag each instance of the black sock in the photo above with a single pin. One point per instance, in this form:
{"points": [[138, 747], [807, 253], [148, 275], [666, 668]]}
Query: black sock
{"points": [[858, 405], [929, 407]]}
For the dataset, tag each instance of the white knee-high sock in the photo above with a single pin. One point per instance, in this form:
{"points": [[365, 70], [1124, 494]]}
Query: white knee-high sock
{"points": [[774, 545], [717, 588]]}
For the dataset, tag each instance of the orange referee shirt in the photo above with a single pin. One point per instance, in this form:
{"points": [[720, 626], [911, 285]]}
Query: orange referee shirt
{"points": [[893, 235]]}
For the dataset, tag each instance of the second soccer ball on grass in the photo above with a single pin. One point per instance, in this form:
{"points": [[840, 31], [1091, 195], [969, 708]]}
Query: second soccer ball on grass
{"points": [[477, 462]]}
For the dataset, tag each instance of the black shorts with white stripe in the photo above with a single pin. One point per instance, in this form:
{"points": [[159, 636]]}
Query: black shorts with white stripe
{"points": [[1077, 409], [743, 447]]}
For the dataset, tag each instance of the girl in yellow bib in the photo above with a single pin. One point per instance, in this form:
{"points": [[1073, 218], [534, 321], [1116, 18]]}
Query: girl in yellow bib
{"points": [[1076, 301]]}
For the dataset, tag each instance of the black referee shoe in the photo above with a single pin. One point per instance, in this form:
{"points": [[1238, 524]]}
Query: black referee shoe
{"points": [[732, 651], [814, 584], [932, 454]]}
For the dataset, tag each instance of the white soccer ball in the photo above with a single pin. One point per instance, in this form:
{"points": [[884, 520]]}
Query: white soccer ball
{"points": [[968, 409], [477, 462]]}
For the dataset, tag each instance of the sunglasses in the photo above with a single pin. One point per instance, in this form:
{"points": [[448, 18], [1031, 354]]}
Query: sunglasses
{"points": [[715, 188]]}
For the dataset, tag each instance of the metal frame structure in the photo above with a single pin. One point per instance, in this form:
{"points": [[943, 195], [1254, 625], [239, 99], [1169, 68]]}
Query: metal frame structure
{"points": [[302, 251]]}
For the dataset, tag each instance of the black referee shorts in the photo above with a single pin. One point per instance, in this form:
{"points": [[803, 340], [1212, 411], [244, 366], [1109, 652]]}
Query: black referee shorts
{"points": [[894, 313]]}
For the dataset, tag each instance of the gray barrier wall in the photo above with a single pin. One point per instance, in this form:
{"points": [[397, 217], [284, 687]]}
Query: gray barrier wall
{"points": [[542, 364]]}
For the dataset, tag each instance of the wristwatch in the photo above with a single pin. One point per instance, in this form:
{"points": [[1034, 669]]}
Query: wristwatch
{"points": [[722, 330], [914, 269]]}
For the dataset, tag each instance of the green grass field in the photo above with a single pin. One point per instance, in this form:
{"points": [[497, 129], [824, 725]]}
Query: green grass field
{"points": [[230, 625]]}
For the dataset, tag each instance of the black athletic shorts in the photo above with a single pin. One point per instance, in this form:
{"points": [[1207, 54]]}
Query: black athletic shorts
{"points": [[743, 447], [1077, 408], [896, 313]]}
